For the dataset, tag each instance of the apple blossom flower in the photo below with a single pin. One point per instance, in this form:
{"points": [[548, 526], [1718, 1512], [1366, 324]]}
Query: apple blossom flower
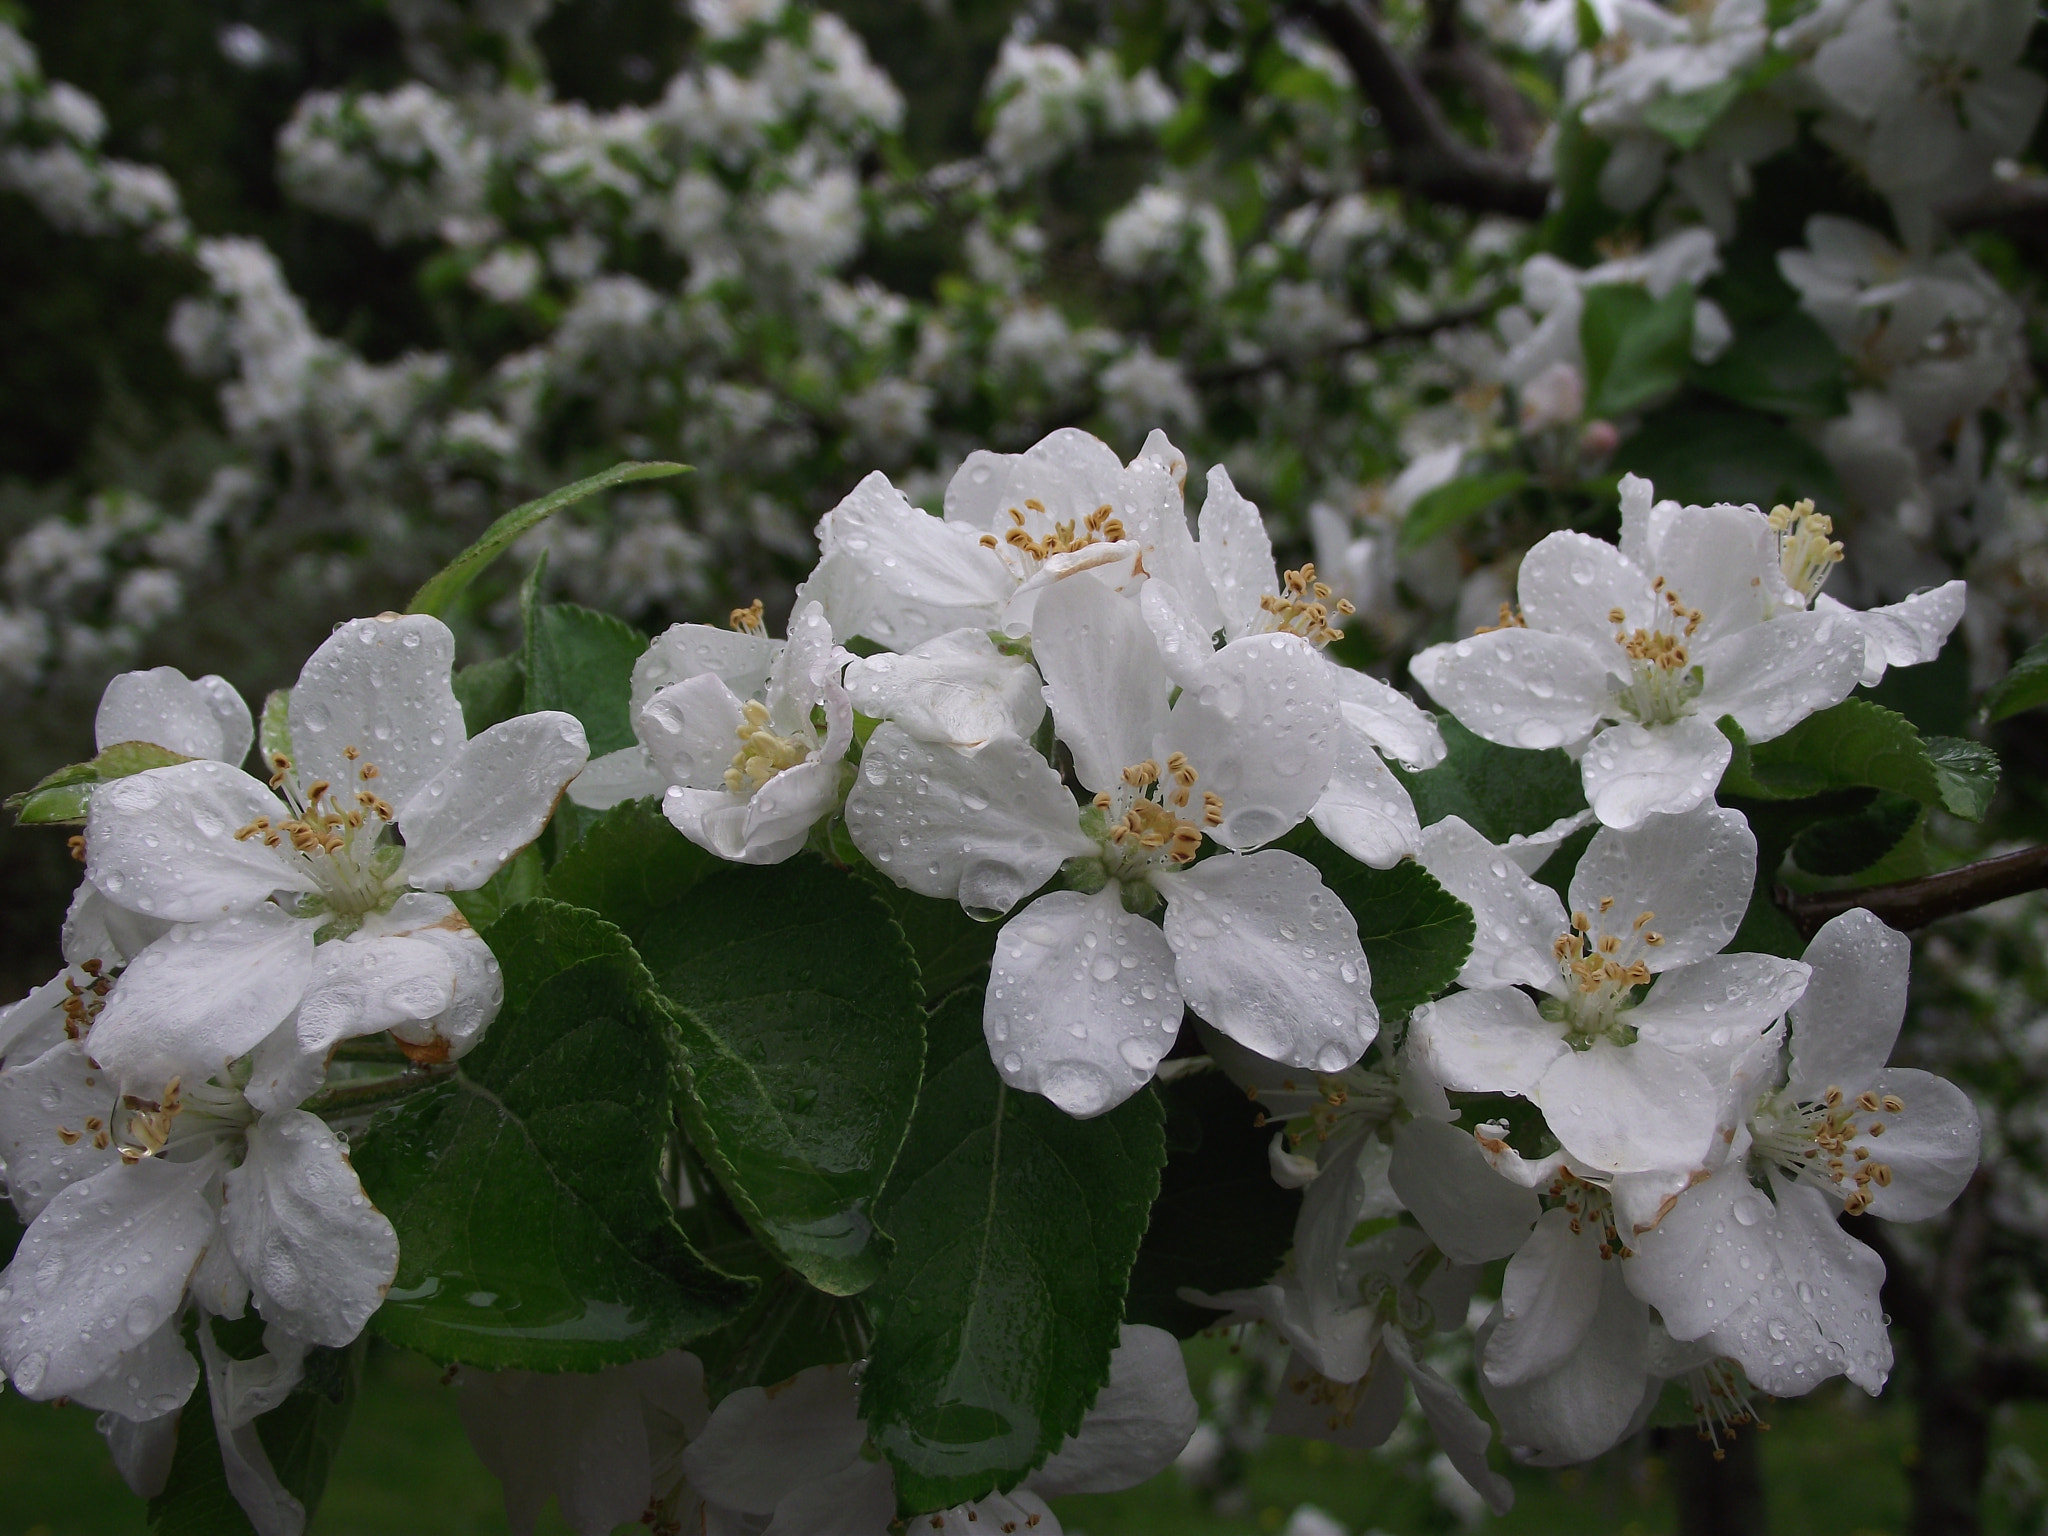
{"points": [[1629, 1081], [1751, 1259], [1628, 656], [1085, 995], [253, 876]]}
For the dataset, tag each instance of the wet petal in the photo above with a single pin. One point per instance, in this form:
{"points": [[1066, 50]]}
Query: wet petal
{"points": [[1081, 1002], [1138, 1423], [466, 823], [627, 774], [1591, 1399], [1270, 957], [1103, 678], [162, 706], [1469, 1211], [1846, 1023], [1236, 554], [692, 729], [985, 830], [1634, 773], [317, 1254], [1571, 583], [1772, 676], [381, 686], [1363, 809], [1515, 920], [1629, 1108], [1260, 725], [1549, 1294], [479, 985], [1691, 873], [1389, 719], [1710, 1012], [61, 1090], [154, 1378], [1462, 1434], [1520, 687], [1486, 1042], [1930, 1146], [1709, 1255], [956, 691], [163, 843], [738, 658]]}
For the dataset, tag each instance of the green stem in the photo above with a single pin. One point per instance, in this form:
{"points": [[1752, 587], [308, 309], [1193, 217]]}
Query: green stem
{"points": [[348, 1100]]}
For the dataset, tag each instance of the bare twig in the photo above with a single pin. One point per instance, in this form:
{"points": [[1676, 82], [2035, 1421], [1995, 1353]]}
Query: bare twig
{"points": [[1449, 56], [1428, 158], [1910, 904], [2022, 201], [1377, 336]]}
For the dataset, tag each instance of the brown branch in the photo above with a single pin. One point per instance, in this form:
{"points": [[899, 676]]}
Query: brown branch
{"points": [[1449, 56], [2023, 201], [1428, 158], [1378, 336], [1910, 904]]}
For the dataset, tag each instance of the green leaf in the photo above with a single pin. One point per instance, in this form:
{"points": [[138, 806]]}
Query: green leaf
{"points": [[1787, 365], [1842, 845], [802, 1025], [1416, 934], [1637, 348], [788, 1327], [490, 692], [1967, 772], [1684, 119], [300, 1436], [1499, 790], [952, 948], [441, 590], [61, 798], [582, 662], [1858, 744], [534, 1228], [1452, 504], [1220, 1222], [2024, 687], [629, 865], [1016, 1229], [1765, 929], [521, 879], [1699, 455]]}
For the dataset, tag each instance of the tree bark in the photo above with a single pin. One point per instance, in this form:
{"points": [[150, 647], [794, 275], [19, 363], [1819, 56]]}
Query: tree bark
{"points": [[1718, 1498]]}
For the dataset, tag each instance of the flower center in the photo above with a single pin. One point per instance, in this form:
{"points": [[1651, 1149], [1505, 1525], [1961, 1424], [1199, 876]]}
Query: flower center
{"points": [[336, 832], [1143, 828], [1825, 1144], [1662, 678], [1588, 1206], [1806, 553], [1304, 607], [1102, 526], [1356, 1095], [1602, 983], [762, 753]]}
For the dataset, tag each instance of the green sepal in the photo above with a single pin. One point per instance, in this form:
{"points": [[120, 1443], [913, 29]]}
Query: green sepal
{"points": [[62, 798]]}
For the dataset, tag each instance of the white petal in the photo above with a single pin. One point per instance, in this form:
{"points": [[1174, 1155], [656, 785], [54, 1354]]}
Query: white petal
{"points": [[692, 730], [1236, 553], [1261, 727], [774, 822], [152, 1379], [1184, 646], [1628, 1108], [1389, 719], [1930, 1146], [162, 706], [1364, 809], [1103, 678], [231, 713], [30, 1027], [1364, 1422], [1818, 1315], [163, 843], [985, 830], [1845, 1025], [141, 1453], [1903, 634], [467, 821], [738, 658], [1594, 1397], [1068, 472], [808, 669], [1570, 582], [381, 686], [1772, 676], [760, 1444], [318, 1255], [1548, 1296], [1486, 1042], [1723, 561], [251, 1478], [627, 774], [1018, 1510], [1520, 687], [956, 690], [217, 1286], [1269, 956], [1136, 1426], [857, 1500], [60, 1089], [1463, 1435], [78, 1294], [1692, 873], [479, 985], [899, 576], [360, 986], [1709, 1255], [201, 996], [1711, 1011], [1634, 773], [1081, 1002], [98, 929], [1515, 920], [581, 1438], [1118, 566], [1445, 1181]]}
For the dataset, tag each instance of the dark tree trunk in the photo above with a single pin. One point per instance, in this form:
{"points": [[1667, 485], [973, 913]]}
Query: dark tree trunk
{"points": [[1717, 1498], [1953, 1438]]}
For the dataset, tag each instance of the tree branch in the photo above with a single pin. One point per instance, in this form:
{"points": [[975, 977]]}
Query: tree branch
{"points": [[1449, 55], [1428, 158], [1379, 336], [1910, 904]]}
